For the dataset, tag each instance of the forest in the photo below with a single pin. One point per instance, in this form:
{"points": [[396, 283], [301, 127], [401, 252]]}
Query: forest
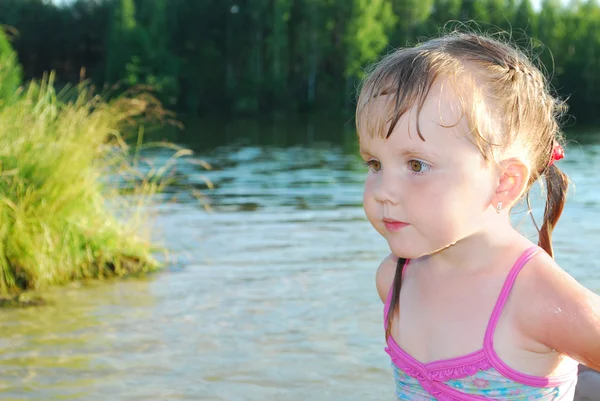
{"points": [[250, 57]]}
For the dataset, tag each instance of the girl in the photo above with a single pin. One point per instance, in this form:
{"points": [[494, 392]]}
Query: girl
{"points": [[455, 132]]}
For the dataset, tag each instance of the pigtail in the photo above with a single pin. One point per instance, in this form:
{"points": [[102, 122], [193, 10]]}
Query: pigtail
{"points": [[395, 297], [557, 184]]}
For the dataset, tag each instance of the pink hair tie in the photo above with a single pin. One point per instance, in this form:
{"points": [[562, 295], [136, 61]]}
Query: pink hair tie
{"points": [[558, 153]]}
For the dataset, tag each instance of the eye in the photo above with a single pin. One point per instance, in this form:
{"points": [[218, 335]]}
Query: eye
{"points": [[373, 165], [418, 167]]}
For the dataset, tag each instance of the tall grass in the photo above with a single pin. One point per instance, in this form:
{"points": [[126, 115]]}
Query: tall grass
{"points": [[63, 163], [11, 73]]}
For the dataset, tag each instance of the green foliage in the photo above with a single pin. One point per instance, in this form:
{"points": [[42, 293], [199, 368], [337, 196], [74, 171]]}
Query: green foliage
{"points": [[367, 34], [445, 10], [551, 33], [122, 43], [138, 53], [10, 70], [526, 19], [410, 16], [442, 13], [499, 13], [581, 60], [63, 164], [474, 10], [252, 56]]}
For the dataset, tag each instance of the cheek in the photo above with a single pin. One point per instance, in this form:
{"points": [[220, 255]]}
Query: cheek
{"points": [[465, 197], [370, 205], [368, 199], [479, 190], [369, 187]]}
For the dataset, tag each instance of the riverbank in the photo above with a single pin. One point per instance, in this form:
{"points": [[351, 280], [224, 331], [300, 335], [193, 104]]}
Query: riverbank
{"points": [[72, 190]]}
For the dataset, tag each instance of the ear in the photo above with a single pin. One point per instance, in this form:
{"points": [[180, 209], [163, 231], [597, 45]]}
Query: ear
{"points": [[513, 179]]}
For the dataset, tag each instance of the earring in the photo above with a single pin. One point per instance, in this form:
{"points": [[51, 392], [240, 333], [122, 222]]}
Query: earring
{"points": [[499, 207]]}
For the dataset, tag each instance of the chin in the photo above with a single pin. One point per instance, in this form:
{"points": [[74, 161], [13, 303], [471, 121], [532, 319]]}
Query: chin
{"points": [[406, 251], [414, 250]]}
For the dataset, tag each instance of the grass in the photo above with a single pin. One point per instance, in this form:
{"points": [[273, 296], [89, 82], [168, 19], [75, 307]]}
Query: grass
{"points": [[64, 166]]}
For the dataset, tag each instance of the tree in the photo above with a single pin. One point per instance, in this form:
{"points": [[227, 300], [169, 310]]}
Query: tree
{"points": [[580, 64], [138, 50], [367, 34], [525, 19], [442, 12], [410, 18], [159, 67], [551, 33], [255, 56], [474, 10], [499, 12], [121, 58]]}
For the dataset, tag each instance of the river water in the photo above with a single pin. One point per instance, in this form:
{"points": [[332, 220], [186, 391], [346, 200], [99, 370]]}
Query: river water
{"points": [[269, 296]]}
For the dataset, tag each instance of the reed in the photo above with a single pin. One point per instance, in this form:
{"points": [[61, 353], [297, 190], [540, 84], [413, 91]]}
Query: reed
{"points": [[73, 198]]}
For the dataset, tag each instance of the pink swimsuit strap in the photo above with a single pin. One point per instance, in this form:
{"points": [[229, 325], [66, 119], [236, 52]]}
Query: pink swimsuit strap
{"points": [[482, 359]]}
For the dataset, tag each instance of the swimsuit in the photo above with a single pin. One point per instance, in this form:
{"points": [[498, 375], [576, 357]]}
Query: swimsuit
{"points": [[480, 375]]}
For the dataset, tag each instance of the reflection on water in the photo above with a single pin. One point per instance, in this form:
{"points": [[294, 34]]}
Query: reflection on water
{"points": [[271, 296]]}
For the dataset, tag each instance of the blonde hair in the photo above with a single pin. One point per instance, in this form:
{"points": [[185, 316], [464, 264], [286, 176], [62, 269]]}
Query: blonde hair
{"points": [[508, 102]]}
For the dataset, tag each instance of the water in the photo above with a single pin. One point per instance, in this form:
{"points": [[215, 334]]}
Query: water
{"points": [[269, 297]]}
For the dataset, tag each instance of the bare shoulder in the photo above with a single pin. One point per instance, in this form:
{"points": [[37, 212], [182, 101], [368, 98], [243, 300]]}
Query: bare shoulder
{"points": [[557, 311], [385, 276]]}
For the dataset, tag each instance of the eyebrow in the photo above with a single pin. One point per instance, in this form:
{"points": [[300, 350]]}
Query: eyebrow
{"points": [[417, 152], [406, 152]]}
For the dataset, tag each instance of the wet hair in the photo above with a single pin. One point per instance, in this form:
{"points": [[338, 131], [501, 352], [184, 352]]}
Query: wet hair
{"points": [[505, 99]]}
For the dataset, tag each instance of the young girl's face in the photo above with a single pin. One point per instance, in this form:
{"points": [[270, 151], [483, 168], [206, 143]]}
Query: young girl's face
{"points": [[423, 196]]}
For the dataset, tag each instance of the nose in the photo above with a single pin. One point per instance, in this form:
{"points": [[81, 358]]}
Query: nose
{"points": [[387, 188]]}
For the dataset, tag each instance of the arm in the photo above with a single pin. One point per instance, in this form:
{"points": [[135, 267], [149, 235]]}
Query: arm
{"points": [[562, 315], [385, 276]]}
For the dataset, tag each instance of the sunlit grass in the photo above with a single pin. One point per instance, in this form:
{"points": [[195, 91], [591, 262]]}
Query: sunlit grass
{"points": [[64, 166]]}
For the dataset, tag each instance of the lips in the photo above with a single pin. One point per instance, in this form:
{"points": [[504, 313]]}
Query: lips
{"points": [[394, 225]]}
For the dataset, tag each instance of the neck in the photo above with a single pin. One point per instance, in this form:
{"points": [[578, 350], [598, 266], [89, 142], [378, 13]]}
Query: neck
{"points": [[475, 250]]}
